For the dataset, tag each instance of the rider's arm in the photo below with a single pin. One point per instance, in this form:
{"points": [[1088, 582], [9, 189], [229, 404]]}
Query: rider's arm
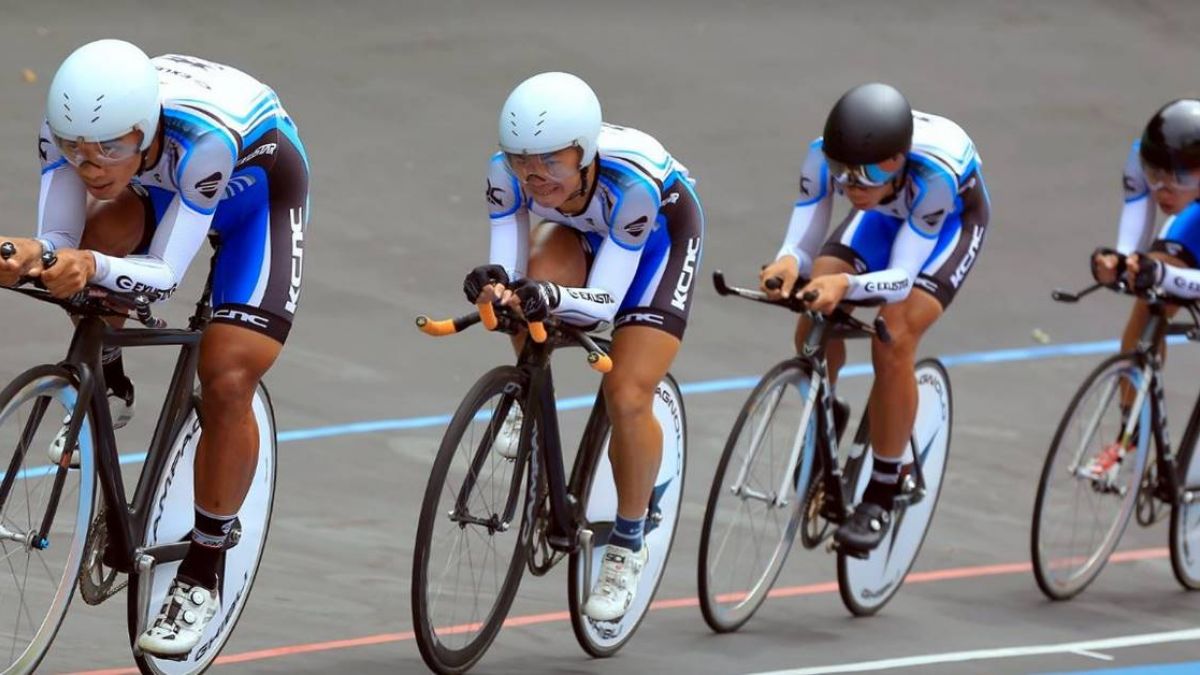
{"points": [[509, 218], [810, 215], [62, 198], [202, 176], [630, 226], [1181, 282], [913, 246], [612, 273], [1137, 216]]}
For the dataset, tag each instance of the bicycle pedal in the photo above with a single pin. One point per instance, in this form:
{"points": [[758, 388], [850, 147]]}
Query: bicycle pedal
{"points": [[834, 547]]}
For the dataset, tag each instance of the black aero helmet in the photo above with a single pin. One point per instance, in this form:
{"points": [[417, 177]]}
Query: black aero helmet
{"points": [[868, 124], [1172, 137]]}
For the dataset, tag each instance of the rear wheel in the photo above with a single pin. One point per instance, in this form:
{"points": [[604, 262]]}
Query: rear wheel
{"points": [[171, 520], [605, 638], [37, 578], [866, 585]]}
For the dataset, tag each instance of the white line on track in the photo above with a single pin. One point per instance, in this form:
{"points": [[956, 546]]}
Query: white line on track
{"points": [[1083, 648]]}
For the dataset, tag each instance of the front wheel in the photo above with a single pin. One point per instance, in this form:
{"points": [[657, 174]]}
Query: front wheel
{"points": [[754, 507], [471, 539], [37, 577], [171, 518], [603, 638], [866, 585], [1080, 512]]}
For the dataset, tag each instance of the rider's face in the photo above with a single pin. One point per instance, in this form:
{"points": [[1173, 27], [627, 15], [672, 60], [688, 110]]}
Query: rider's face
{"points": [[1172, 200], [104, 177], [551, 179], [864, 198]]}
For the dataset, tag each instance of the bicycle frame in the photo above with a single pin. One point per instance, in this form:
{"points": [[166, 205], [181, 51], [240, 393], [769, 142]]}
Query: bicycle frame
{"points": [[127, 519], [837, 503], [544, 449], [1147, 351]]}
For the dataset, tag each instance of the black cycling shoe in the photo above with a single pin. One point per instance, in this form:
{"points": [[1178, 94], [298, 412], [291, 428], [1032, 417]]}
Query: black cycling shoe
{"points": [[864, 530]]}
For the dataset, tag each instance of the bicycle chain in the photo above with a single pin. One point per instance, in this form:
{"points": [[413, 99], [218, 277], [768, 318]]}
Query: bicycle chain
{"points": [[97, 582]]}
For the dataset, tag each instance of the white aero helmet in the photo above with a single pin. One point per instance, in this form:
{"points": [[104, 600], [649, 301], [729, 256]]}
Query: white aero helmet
{"points": [[103, 90], [549, 112]]}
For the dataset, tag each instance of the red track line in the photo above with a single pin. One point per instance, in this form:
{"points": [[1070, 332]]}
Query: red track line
{"points": [[677, 603]]}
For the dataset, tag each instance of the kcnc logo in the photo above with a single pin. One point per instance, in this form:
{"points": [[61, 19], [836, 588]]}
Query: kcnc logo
{"points": [[687, 275], [297, 218]]}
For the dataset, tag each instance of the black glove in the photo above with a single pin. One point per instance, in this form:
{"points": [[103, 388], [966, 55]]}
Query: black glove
{"points": [[481, 276], [537, 298], [1149, 275], [1104, 250]]}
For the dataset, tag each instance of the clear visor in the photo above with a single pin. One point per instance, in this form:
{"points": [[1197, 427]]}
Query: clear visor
{"points": [[557, 166], [1166, 179], [866, 175], [104, 153]]}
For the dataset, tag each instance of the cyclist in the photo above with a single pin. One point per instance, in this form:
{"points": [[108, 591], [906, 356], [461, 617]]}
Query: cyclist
{"points": [[919, 214], [140, 158], [621, 246], [1162, 170]]}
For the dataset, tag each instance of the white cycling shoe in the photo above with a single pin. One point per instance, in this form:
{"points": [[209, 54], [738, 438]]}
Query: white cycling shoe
{"points": [[181, 622], [508, 439], [620, 571], [122, 412]]}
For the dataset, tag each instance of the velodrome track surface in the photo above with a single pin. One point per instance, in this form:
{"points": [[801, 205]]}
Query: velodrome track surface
{"points": [[396, 102]]}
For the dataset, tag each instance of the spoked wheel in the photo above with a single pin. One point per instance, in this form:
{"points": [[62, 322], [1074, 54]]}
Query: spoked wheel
{"points": [[471, 541], [1185, 520], [753, 507], [37, 577], [1080, 513], [866, 585], [171, 520], [603, 638]]}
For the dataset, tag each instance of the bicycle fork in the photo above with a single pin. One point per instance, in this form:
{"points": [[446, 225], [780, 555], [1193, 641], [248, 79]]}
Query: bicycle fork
{"points": [[777, 498]]}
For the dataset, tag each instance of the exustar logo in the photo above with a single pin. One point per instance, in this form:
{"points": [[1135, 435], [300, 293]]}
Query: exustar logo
{"points": [[598, 298], [1187, 285], [687, 275], [42, 143], [883, 286], [297, 217], [127, 284], [804, 189]]}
